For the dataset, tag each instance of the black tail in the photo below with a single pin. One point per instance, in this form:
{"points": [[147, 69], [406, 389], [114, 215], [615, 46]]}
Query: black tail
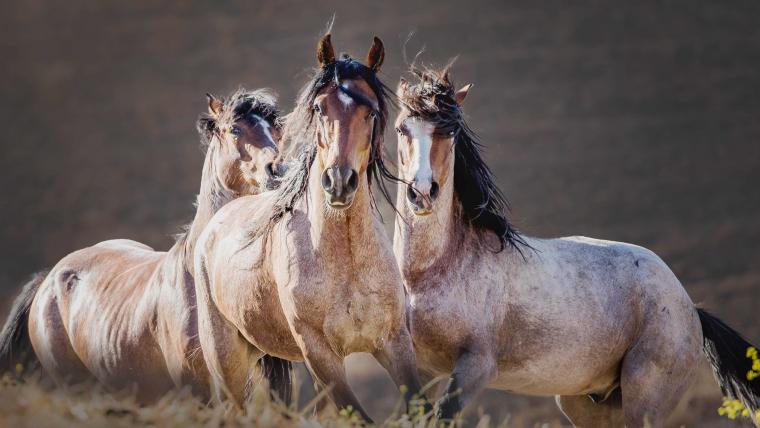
{"points": [[727, 352], [15, 347], [279, 373]]}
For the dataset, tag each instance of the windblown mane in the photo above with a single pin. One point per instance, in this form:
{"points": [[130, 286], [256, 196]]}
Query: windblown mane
{"points": [[484, 205], [242, 104], [299, 136]]}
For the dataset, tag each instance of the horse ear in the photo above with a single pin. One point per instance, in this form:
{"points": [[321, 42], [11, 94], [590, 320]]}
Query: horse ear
{"points": [[325, 52], [402, 87], [214, 104], [461, 94], [445, 76], [376, 54]]}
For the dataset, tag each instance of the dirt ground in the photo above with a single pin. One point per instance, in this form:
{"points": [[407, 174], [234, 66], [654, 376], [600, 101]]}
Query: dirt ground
{"points": [[626, 121]]}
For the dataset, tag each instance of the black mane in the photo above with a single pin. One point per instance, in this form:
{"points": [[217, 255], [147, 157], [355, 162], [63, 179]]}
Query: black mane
{"points": [[483, 204], [242, 104], [299, 134]]}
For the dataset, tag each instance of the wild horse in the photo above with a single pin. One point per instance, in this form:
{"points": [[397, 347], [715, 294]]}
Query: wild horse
{"points": [[604, 326], [307, 272], [126, 314]]}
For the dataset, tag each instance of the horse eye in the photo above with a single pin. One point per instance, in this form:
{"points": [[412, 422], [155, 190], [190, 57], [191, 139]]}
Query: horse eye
{"points": [[236, 131], [317, 109], [398, 131]]}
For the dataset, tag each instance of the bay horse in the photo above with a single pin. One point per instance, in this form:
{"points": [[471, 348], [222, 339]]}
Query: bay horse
{"points": [[307, 273], [604, 326], [125, 313]]}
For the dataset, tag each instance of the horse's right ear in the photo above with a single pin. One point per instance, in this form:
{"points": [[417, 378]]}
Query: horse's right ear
{"points": [[214, 104], [325, 51]]}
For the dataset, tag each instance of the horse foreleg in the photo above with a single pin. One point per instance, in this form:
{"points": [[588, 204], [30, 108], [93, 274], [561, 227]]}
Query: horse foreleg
{"points": [[226, 353], [398, 358], [227, 357], [472, 372], [328, 370]]}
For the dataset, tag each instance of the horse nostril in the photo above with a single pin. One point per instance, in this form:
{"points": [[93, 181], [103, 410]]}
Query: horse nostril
{"points": [[411, 194], [269, 168], [434, 190], [327, 184], [353, 181]]}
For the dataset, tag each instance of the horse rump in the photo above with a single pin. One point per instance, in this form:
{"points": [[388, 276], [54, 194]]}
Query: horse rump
{"points": [[15, 345], [727, 352]]}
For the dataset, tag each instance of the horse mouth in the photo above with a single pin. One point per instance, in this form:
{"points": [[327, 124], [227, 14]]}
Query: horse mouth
{"points": [[421, 211], [339, 204], [272, 184]]}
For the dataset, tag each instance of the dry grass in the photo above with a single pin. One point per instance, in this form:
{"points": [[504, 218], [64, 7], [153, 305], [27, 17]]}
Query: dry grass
{"points": [[32, 401]]}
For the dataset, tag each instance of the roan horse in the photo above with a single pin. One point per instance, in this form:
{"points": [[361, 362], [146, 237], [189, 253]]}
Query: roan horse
{"points": [[307, 272], [604, 326], [125, 313]]}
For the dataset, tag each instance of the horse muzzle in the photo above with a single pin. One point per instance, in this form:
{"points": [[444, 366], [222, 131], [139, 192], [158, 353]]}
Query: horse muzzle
{"points": [[421, 199], [274, 173], [340, 185]]}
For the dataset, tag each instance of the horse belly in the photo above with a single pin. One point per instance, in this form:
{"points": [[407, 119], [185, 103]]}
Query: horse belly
{"points": [[564, 356], [547, 377], [120, 358]]}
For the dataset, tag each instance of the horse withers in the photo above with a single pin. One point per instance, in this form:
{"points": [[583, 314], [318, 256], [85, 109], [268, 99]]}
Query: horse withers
{"points": [[124, 313], [604, 326]]}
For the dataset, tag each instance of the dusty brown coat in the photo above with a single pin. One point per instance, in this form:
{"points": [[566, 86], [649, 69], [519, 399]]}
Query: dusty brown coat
{"points": [[124, 313]]}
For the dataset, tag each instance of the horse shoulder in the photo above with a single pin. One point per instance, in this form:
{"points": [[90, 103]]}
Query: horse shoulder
{"points": [[231, 257], [456, 308]]}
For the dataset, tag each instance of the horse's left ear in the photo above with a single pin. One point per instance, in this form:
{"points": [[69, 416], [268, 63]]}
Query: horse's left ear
{"points": [[214, 104], [461, 94], [376, 55], [402, 87]]}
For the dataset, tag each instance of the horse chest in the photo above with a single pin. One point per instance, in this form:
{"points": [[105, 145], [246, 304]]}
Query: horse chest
{"points": [[358, 324], [441, 328], [355, 313]]}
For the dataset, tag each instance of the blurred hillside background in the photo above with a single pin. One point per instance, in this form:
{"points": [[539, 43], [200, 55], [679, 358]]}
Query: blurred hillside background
{"points": [[628, 121]]}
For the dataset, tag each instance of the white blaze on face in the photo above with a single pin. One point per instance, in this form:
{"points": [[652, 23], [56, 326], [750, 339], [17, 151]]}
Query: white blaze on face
{"points": [[344, 97], [421, 133], [265, 126]]}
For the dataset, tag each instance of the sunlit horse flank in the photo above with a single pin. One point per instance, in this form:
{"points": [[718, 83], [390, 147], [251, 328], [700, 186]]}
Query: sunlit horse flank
{"points": [[307, 272], [604, 326], [125, 313]]}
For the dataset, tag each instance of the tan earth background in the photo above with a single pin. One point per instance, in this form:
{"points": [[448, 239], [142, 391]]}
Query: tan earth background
{"points": [[620, 120]]}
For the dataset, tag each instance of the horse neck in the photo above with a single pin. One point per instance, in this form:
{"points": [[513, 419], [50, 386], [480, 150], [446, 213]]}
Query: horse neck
{"points": [[423, 243], [212, 197], [352, 230]]}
